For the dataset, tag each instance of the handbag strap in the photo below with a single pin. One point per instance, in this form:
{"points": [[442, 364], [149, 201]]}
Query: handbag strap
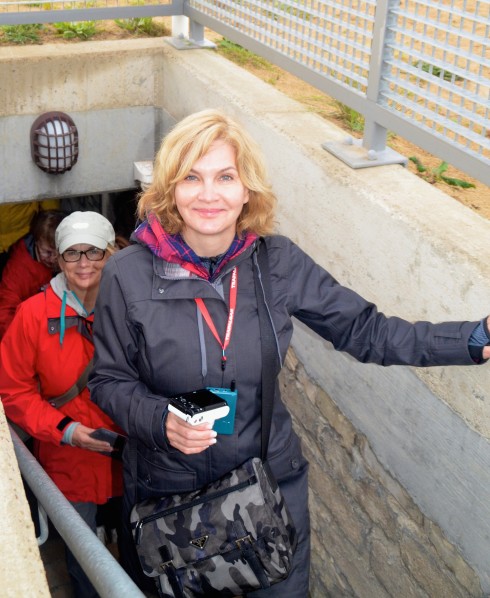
{"points": [[74, 390], [269, 351]]}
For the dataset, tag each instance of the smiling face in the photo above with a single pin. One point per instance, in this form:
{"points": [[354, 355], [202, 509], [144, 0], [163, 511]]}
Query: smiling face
{"points": [[210, 199], [83, 276]]}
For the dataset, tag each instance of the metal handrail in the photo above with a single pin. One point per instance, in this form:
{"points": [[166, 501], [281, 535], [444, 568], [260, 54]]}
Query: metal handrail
{"points": [[104, 572]]}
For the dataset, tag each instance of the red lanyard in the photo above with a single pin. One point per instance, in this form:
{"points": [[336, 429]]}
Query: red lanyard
{"points": [[231, 316]]}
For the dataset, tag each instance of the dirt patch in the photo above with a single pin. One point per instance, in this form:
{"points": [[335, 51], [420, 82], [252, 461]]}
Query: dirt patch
{"points": [[477, 198]]}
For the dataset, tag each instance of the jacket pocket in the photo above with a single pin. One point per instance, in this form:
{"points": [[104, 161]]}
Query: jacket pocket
{"points": [[157, 476], [289, 460]]}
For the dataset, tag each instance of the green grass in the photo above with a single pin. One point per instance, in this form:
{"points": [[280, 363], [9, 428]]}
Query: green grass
{"points": [[241, 56], [22, 34], [141, 26], [437, 71], [349, 117]]}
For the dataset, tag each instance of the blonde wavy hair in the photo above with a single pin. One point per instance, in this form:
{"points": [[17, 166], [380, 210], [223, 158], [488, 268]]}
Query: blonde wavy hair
{"points": [[184, 145]]}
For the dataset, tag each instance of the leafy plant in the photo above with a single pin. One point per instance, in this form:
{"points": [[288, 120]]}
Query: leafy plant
{"points": [[22, 34], [140, 26], [435, 175], [82, 29]]}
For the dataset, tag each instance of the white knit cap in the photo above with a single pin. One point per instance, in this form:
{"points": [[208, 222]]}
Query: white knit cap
{"points": [[89, 228]]}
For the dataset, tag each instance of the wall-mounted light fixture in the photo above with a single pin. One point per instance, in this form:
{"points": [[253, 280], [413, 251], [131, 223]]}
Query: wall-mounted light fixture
{"points": [[54, 142]]}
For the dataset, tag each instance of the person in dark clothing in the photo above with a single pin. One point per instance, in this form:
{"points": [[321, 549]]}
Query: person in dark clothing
{"points": [[171, 320]]}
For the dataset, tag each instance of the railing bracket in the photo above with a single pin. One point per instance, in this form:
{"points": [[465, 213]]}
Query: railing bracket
{"points": [[352, 152], [184, 43]]}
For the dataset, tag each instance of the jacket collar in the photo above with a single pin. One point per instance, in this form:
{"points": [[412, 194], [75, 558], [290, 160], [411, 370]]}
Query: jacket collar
{"points": [[179, 256], [61, 290], [68, 299], [172, 271]]}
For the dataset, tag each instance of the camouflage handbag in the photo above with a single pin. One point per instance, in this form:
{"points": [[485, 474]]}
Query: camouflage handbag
{"points": [[228, 538]]}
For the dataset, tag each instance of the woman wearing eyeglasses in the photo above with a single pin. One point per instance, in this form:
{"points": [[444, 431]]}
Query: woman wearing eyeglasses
{"points": [[43, 353], [31, 264]]}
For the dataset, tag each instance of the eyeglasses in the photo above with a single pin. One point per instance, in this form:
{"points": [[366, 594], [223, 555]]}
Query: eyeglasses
{"points": [[94, 255]]}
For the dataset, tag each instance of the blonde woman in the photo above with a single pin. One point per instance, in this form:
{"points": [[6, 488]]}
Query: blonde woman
{"points": [[177, 312]]}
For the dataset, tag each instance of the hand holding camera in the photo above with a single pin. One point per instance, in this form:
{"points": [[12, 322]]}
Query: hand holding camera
{"points": [[188, 426], [199, 407]]}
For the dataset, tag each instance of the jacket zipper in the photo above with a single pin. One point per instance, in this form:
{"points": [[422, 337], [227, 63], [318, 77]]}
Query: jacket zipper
{"points": [[149, 518]]}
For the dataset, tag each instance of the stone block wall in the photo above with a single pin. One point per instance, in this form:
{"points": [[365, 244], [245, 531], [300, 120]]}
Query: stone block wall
{"points": [[369, 539]]}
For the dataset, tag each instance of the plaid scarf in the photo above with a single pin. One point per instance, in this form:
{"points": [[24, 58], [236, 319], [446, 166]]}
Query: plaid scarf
{"points": [[173, 248]]}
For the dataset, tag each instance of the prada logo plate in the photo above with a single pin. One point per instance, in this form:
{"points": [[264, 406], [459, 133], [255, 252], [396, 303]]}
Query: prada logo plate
{"points": [[199, 542]]}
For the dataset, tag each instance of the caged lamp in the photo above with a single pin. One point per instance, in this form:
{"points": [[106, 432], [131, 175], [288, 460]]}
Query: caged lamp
{"points": [[54, 142]]}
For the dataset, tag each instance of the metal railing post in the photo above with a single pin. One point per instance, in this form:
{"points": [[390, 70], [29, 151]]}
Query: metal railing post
{"points": [[180, 26], [188, 34], [374, 134], [371, 150]]}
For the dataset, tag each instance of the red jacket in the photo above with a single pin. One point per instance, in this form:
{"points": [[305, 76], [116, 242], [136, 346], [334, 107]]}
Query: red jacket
{"points": [[22, 277], [35, 367]]}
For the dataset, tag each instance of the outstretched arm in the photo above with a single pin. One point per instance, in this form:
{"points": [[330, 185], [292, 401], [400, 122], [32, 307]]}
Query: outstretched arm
{"points": [[355, 325]]}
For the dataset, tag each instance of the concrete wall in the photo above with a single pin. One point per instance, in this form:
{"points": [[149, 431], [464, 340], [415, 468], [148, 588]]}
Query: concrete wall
{"points": [[118, 123], [420, 437], [21, 569]]}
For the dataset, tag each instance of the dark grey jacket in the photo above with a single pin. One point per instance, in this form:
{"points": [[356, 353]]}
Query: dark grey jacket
{"points": [[151, 342]]}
